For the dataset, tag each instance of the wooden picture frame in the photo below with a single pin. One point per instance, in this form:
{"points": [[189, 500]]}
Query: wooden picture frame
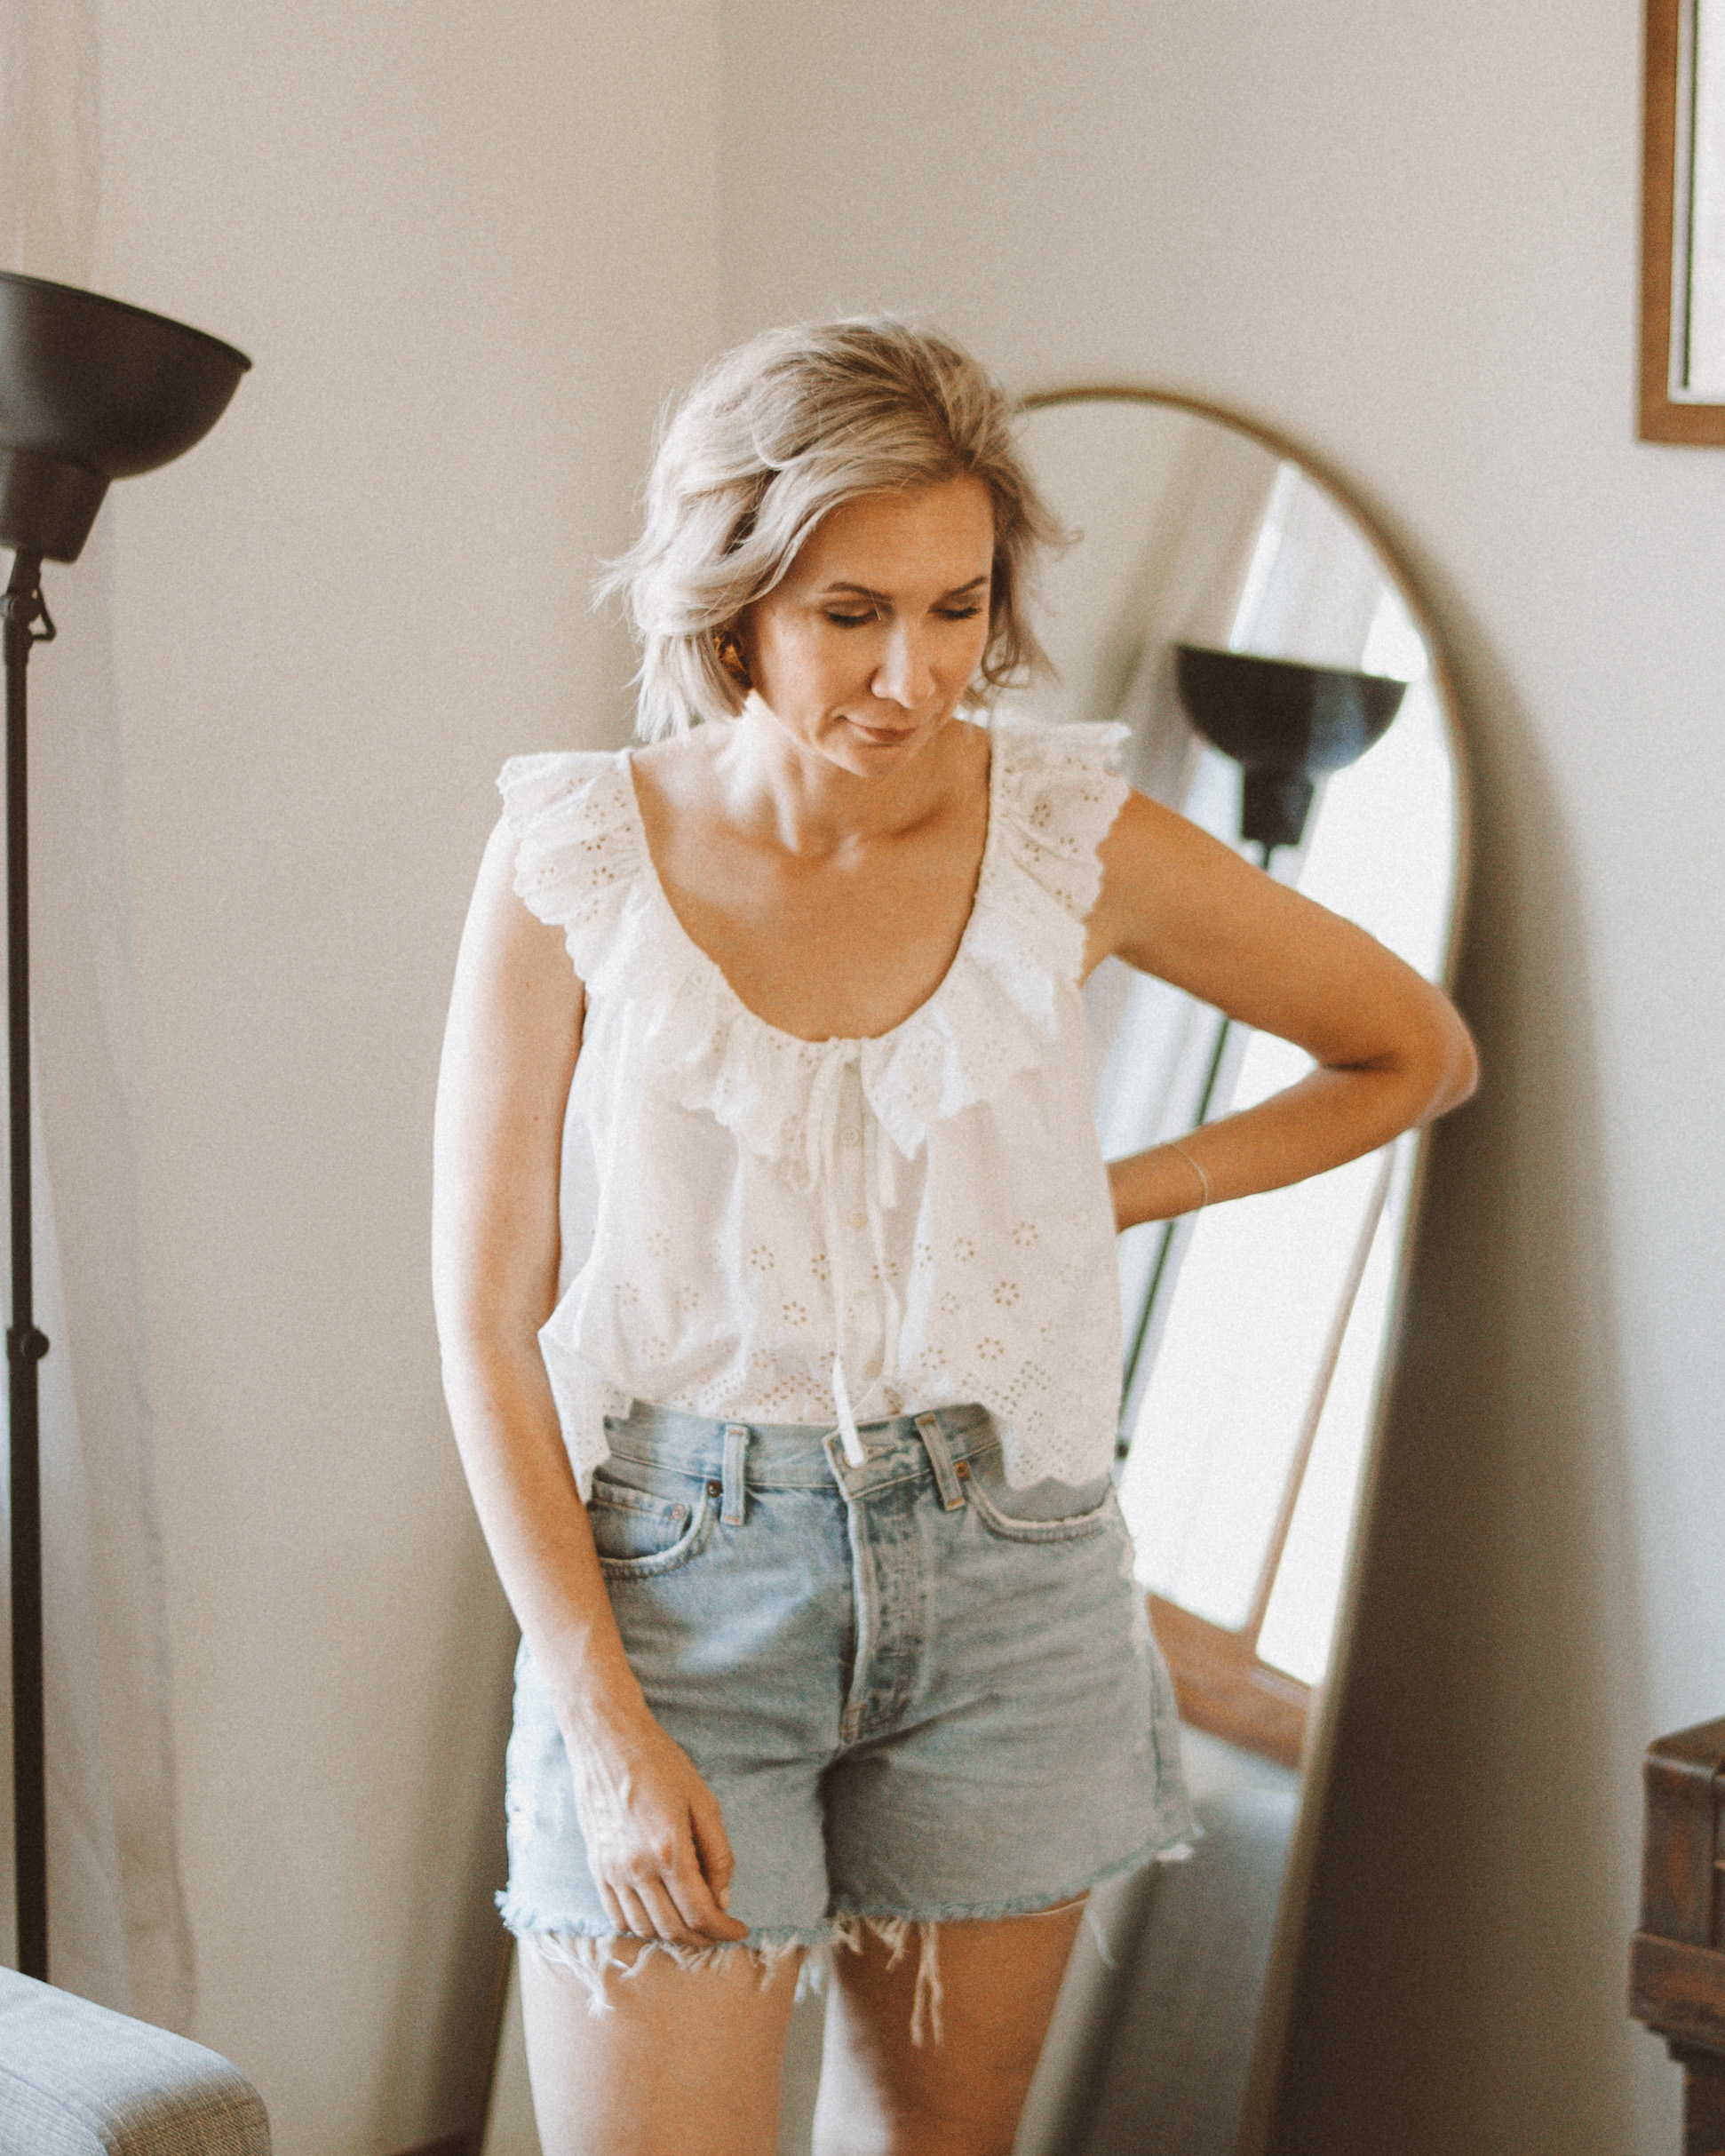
{"points": [[1665, 221]]}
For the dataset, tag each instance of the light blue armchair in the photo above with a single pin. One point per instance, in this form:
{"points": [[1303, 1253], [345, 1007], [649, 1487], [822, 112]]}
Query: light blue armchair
{"points": [[78, 2080]]}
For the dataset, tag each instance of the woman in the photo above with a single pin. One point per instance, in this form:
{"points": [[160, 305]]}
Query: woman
{"points": [[775, 1281]]}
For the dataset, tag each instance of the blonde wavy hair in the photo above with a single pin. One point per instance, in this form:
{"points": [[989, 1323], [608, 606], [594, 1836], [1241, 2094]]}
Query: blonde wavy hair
{"points": [[773, 436]]}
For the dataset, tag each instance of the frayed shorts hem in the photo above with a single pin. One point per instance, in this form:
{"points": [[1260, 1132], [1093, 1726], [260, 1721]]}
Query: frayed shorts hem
{"points": [[593, 1958]]}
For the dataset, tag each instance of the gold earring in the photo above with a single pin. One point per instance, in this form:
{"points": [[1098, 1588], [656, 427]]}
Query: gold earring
{"points": [[729, 654]]}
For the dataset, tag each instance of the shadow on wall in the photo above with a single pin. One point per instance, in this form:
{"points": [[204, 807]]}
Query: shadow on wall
{"points": [[459, 1946], [1480, 1783]]}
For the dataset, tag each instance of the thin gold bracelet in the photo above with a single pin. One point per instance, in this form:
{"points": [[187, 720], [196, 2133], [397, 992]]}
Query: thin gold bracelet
{"points": [[1204, 1180]]}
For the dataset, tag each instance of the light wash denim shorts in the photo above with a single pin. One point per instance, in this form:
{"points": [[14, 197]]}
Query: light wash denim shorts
{"points": [[918, 1695]]}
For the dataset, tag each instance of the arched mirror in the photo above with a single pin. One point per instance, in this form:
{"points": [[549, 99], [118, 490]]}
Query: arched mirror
{"points": [[1279, 686], [1276, 684]]}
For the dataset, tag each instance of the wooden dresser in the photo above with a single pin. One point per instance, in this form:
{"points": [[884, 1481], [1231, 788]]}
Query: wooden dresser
{"points": [[1677, 1959]]}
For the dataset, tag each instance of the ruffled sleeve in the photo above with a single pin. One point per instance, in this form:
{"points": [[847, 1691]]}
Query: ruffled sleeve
{"points": [[580, 851], [1058, 796]]}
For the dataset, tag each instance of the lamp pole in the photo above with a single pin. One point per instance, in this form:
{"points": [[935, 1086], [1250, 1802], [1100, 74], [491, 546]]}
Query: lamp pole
{"points": [[25, 1345]]}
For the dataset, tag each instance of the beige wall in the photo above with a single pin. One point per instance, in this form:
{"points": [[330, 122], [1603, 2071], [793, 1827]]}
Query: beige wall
{"points": [[467, 247], [1407, 235]]}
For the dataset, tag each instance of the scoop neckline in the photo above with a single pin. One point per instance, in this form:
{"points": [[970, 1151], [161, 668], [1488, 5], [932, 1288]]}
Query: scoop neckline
{"points": [[658, 896]]}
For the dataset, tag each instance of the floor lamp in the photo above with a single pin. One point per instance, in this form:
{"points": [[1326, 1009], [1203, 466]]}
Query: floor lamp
{"points": [[91, 390], [1285, 724]]}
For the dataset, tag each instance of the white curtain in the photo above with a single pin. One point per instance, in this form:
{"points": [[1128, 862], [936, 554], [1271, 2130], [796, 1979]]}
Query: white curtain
{"points": [[117, 1925]]}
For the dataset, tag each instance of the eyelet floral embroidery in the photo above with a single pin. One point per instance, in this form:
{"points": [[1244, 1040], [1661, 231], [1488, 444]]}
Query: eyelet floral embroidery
{"points": [[724, 1266]]}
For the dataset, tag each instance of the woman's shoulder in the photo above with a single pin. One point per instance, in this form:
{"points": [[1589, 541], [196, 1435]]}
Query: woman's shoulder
{"points": [[673, 779]]}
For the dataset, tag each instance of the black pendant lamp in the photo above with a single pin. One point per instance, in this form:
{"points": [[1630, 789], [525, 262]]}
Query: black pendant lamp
{"points": [[1285, 724], [91, 390]]}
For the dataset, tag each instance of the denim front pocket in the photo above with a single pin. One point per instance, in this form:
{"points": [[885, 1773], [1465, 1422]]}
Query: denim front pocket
{"points": [[637, 1532], [1038, 1512]]}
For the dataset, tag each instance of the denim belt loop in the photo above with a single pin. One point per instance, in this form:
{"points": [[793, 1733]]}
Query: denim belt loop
{"points": [[737, 1444], [940, 1457]]}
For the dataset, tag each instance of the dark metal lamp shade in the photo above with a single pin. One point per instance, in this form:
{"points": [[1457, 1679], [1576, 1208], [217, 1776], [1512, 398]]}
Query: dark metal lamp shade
{"points": [[1284, 723], [93, 390]]}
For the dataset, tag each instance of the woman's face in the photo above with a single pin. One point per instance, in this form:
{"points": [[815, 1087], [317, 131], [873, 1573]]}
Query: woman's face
{"points": [[862, 651]]}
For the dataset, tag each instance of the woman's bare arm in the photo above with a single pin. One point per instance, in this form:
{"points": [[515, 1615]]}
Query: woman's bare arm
{"points": [[1390, 1048], [654, 1837]]}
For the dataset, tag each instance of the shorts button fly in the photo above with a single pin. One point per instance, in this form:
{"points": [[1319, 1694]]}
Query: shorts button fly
{"points": [[859, 1219]]}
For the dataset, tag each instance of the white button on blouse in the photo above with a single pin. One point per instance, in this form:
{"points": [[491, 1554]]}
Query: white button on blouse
{"points": [[761, 1228]]}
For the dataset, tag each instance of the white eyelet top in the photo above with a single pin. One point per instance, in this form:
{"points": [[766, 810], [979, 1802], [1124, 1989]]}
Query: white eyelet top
{"points": [[761, 1228]]}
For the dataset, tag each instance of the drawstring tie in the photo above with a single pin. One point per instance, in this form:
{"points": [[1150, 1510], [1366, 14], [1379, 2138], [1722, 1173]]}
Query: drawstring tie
{"points": [[841, 1400], [820, 1166]]}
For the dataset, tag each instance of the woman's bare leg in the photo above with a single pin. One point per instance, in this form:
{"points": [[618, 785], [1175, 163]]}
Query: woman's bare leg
{"points": [[687, 2063], [883, 2095]]}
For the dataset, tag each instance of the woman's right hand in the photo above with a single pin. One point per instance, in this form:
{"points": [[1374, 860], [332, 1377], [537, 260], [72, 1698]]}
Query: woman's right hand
{"points": [[657, 1845]]}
